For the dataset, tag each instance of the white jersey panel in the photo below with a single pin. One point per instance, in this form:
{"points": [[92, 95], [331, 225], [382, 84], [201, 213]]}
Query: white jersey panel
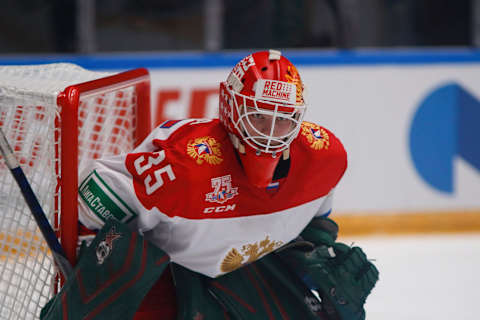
{"points": [[327, 205], [216, 246]]}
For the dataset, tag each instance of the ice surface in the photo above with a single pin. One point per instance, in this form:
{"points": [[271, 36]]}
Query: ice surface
{"points": [[424, 276]]}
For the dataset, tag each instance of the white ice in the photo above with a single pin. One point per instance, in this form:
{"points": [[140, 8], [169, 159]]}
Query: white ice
{"points": [[424, 276]]}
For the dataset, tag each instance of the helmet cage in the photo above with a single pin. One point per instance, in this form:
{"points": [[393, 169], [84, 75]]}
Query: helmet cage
{"points": [[243, 108]]}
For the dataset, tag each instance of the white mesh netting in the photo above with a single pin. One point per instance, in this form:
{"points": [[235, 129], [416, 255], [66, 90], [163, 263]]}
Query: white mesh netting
{"points": [[28, 113]]}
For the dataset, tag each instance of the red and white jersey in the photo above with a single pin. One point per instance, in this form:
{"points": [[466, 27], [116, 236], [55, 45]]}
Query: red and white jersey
{"points": [[183, 187]]}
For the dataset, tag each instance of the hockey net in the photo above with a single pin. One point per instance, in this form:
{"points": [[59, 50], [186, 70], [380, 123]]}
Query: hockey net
{"points": [[55, 116]]}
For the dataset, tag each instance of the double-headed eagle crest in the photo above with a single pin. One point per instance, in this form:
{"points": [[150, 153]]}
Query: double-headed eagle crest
{"points": [[315, 135], [205, 149], [249, 253]]}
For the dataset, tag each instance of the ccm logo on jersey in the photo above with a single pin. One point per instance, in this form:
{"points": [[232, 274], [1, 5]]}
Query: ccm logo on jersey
{"points": [[228, 207], [222, 192]]}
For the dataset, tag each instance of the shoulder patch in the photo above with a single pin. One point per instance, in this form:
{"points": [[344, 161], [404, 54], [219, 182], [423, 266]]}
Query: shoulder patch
{"points": [[317, 136], [205, 149], [102, 200]]}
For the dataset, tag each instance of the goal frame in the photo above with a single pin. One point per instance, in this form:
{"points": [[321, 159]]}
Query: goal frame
{"points": [[68, 100]]}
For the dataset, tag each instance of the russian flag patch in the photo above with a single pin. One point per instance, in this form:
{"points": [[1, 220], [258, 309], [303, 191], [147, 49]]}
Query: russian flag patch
{"points": [[273, 186], [169, 123]]}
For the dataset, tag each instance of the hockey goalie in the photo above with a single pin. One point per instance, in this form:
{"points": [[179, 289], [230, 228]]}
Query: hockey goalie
{"points": [[220, 219]]}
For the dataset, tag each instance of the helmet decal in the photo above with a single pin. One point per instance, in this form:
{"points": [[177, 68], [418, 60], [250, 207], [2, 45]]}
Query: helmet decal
{"points": [[235, 77], [274, 90], [293, 77]]}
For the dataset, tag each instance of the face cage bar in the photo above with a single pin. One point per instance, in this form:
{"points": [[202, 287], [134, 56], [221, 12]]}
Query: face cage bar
{"points": [[252, 141]]}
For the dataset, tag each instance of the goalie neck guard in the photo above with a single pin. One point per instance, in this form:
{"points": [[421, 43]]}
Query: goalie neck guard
{"points": [[262, 108]]}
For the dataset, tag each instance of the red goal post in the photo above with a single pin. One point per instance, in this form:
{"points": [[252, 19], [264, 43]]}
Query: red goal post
{"points": [[69, 101], [56, 116]]}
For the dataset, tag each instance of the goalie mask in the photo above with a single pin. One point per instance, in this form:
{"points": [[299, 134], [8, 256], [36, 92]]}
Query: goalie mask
{"points": [[262, 108]]}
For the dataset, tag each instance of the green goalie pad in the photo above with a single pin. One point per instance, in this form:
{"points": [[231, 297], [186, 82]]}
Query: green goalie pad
{"points": [[262, 290], [279, 285], [111, 278]]}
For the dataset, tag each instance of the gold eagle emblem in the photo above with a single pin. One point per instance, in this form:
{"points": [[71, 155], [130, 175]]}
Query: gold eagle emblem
{"points": [[205, 149], [315, 135], [249, 253], [293, 77]]}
